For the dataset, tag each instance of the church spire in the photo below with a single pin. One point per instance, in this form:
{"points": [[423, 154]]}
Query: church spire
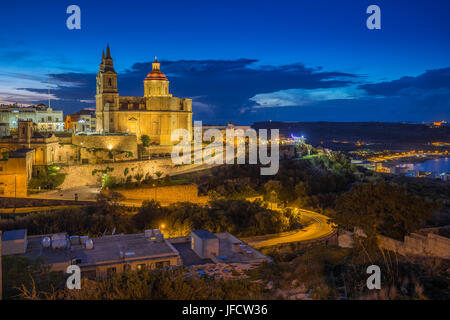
{"points": [[103, 56], [108, 52]]}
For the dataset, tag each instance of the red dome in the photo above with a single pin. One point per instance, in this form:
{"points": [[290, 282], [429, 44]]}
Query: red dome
{"points": [[156, 75]]}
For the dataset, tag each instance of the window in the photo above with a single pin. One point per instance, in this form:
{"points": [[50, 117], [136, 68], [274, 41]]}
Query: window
{"points": [[1, 168], [110, 271], [91, 274], [110, 82], [162, 264], [140, 267], [126, 267], [49, 118]]}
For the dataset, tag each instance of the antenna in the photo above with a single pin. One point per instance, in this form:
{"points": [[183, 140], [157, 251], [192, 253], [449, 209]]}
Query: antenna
{"points": [[48, 84]]}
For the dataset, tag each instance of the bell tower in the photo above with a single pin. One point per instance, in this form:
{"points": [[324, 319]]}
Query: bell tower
{"points": [[107, 95]]}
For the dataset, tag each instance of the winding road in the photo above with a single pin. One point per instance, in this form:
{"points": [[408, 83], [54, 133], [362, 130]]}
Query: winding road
{"points": [[317, 229]]}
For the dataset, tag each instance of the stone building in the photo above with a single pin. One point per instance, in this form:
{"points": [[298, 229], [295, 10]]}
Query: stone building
{"points": [[15, 173], [83, 121], [46, 118], [156, 114]]}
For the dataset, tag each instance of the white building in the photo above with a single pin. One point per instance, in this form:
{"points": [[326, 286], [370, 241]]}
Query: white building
{"points": [[46, 118]]}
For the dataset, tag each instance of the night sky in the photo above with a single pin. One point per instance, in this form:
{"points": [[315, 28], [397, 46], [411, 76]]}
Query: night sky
{"points": [[239, 61]]}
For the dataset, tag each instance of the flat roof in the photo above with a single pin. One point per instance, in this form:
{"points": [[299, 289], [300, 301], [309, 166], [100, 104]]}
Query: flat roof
{"points": [[204, 234], [14, 235], [19, 153], [106, 250]]}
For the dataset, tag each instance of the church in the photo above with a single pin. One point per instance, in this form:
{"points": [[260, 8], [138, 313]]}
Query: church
{"points": [[156, 114]]}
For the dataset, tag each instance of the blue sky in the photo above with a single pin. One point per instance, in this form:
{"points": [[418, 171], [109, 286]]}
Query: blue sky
{"points": [[242, 61]]}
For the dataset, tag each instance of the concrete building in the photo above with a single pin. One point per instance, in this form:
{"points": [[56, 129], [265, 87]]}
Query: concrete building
{"points": [[83, 121], [101, 257], [203, 246], [44, 117], [14, 242], [96, 257], [204, 243], [156, 114]]}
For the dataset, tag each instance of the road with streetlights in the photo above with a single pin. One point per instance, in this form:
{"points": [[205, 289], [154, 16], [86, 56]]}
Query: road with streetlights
{"points": [[317, 228]]}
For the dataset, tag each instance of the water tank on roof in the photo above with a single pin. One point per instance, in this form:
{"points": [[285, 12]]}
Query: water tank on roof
{"points": [[89, 244], [59, 244], [148, 233], [83, 240], [46, 242], [74, 240], [159, 237]]}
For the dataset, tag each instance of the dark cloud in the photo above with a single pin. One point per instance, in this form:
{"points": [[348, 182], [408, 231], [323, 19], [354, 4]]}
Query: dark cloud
{"points": [[433, 80], [225, 86], [221, 89]]}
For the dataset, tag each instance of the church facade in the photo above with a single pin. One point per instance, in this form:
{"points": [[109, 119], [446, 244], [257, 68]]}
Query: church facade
{"points": [[156, 114]]}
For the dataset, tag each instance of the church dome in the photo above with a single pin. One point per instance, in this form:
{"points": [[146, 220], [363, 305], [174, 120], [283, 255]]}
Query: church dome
{"points": [[156, 74]]}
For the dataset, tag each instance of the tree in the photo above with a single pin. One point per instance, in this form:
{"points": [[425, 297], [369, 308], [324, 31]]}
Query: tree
{"points": [[381, 208], [145, 140]]}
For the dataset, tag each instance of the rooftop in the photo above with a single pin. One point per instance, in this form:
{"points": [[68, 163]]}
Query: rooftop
{"points": [[19, 153], [14, 235], [204, 234], [106, 250]]}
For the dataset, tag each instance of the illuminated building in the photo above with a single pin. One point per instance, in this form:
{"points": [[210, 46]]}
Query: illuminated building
{"points": [[45, 117], [156, 114]]}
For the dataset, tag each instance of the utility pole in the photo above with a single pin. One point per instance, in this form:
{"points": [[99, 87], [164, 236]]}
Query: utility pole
{"points": [[1, 284], [15, 193]]}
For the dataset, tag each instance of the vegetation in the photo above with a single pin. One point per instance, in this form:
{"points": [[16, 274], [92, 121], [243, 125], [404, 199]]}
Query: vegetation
{"points": [[145, 140], [20, 273], [49, 178], [236, 216], [381, 208], [337, 273], [312, 183]]}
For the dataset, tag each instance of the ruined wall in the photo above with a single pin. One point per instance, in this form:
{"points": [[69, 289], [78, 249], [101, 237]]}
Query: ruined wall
{"points": [[431, 245]]}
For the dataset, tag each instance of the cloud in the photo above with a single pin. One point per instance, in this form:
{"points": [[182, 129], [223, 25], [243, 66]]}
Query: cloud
{"points": [[437, 80], [243, 90], [301, 97]]}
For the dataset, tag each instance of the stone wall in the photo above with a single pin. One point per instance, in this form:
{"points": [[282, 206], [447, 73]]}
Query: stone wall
{"points": [[431, 245], [81, 175], [165, 195], [107, 142]]}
